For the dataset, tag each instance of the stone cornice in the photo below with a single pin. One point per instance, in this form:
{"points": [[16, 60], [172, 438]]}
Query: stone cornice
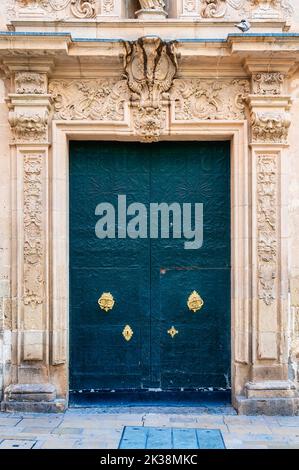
{"points": [[16, 48]]}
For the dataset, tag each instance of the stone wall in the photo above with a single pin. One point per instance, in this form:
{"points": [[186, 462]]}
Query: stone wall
{"points": [[215, 86]]}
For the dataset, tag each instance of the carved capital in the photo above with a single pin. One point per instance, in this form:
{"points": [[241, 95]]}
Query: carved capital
{"points": [[267, 83], [31, 83], [150, 67], [271, 127], [29, 126]]}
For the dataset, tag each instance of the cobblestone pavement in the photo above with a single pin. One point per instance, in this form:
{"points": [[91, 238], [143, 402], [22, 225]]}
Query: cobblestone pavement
{"points": [[101, 428]]}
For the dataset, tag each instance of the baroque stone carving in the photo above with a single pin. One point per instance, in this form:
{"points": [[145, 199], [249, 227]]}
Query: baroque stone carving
{"points": [[259, 9], [30, 83], [78, 8], [102, 100], [270, 126], [199, 99], [267, 226], [150, 67], [268, 83], [190, 6], [264, 9], [33, 231], [149, 123], [29, 126], [213, 8], [108, 6], [152, 4]]}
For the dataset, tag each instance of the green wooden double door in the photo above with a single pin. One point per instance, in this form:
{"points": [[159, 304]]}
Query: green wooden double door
{"points": [[150, 279]]}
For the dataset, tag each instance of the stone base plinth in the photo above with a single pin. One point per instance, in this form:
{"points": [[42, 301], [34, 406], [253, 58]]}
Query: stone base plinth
{"points": [[267, 406], [38, 398], [151, 14], [271, 389], [270, 398]]}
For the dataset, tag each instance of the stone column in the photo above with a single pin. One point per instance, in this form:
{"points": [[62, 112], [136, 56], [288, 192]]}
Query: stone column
{"points": [[29, 107], [269, 391]]}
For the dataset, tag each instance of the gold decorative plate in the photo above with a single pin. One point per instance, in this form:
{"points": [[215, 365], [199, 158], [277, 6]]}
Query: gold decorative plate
{"points": [[127, 333], [106, 301], [195, 302], [172, 332]]}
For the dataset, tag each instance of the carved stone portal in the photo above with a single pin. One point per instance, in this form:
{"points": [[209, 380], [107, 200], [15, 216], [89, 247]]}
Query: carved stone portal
{"points": [[150, 67]]}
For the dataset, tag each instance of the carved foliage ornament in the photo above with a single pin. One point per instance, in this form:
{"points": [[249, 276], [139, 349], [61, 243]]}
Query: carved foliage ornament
{"points": [[249, 8], [33, 230], [200, 99], [150, 67], [270, 127], [267, 226], [101, 100]]}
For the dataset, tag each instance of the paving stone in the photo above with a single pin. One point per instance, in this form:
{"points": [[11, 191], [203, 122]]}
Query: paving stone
{"points": [[102, 434], [16, 444], [289, 421], [211, 419], [246, 429], [40, 422], [290, 430], [67, 431], [57, 444], [244, 420], [37, 430], [9, 421], [90, 444], [182, 419]]}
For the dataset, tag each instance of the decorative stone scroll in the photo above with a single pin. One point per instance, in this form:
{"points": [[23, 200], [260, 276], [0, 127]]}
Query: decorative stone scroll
{"points": [[60, 9], [201, 99], [267, 226], [33, 231], [213, 9]]}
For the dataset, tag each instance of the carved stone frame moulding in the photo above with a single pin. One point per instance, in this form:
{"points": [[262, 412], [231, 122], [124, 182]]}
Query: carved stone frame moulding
{"points": [[236, 132]]}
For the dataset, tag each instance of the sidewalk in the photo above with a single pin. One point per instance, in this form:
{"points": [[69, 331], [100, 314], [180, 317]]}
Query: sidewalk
{"points": [[102, 428]]}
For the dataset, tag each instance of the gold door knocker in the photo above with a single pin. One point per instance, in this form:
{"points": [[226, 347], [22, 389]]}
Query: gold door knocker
{"points": [[172, 332], [195, 302], [127, 333], [106, 301]]}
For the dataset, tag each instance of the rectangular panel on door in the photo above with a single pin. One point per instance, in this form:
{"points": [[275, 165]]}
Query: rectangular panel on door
{"points": [[101, 358]]}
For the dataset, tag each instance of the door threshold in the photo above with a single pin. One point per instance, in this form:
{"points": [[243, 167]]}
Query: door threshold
{"points": [[194, 398]]}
